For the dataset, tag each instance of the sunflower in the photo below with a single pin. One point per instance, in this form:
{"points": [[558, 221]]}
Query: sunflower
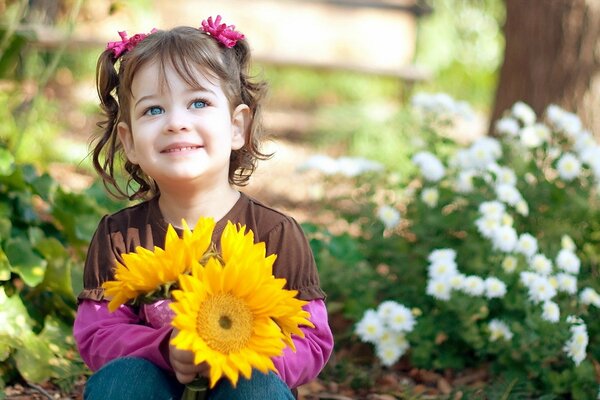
{"points": [[150, 274], [232, 313]]}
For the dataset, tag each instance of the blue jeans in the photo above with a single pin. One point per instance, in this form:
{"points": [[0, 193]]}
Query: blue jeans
{"points": [[135, 378]]}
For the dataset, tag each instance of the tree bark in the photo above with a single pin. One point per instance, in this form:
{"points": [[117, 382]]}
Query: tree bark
{"points": [[552, 56]]}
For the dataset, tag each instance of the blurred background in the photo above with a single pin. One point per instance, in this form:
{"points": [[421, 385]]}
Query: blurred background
{"points": [[343, 75]]}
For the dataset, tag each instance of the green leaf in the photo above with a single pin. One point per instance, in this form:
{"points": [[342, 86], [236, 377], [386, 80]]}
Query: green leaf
{"points": [[5, 224], [45, 186], [15, 320], [4, 266], [78, 215], [58, 270], [25, 262], [33, 358], [5, 346], [7, 162]]}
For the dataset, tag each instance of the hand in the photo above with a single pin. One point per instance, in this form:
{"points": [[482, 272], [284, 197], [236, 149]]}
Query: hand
{"points": [[183, 365]]}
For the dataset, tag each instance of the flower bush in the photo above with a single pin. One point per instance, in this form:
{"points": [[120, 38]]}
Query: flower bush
{"points": [[494, 246]]}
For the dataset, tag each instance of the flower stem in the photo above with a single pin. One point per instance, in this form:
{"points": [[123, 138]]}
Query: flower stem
{"points": [[196, 390]]}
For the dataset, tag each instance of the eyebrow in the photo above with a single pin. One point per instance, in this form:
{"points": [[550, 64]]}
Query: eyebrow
{"points": [[192, 90]]}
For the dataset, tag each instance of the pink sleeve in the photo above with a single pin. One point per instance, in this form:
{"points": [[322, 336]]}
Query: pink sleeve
{"points": [[312, 351], [102, 336]]}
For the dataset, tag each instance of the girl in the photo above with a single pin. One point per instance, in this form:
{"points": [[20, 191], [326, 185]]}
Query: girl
{"points": [[183, 118]]}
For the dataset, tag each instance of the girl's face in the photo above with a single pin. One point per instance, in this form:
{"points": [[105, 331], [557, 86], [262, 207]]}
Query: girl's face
{"points": [[182, 134]]}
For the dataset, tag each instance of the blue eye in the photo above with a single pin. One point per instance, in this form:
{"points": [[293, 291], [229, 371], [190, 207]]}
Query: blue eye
{"points": [[154, 110], [199, 104]]}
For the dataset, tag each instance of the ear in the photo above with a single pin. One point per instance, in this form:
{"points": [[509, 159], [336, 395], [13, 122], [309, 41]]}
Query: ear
{"points": [[126, 140], [240, 123]]}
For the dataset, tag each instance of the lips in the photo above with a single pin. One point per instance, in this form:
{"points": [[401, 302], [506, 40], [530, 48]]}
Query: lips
{"points": [[181, 147]]}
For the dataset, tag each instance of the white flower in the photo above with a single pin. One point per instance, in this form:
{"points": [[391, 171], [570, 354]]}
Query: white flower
{"points": [[527, 277], [590, 296], [508, 194], [401, 319], [527, 245], [487, 226], [494, 287], [564, 121], [534, 136], [551, 312], [439, 288], [388, 353], [442, 269], [567, 283], [507, 126], [507, 176], [504, 238], [568, 261], [541, 289], [492, 209], [355, 166], [441, 255], [464, 182], [584, 141], [473, 285], [569, 167], [523, 113], [522, 208], [431, 167], [430, 196], [389, 216], [509, 264], [385, 310], [541, 264], [457, 281], [499, 330], [484, 151], [576, 346], [321, 163], [370, 328]]}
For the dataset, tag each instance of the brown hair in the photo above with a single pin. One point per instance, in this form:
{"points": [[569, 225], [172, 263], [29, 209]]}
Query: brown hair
{"points": [[185, 49]]}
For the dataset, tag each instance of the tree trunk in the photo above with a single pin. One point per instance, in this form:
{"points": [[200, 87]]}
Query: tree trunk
{"points": [[552, 56]]}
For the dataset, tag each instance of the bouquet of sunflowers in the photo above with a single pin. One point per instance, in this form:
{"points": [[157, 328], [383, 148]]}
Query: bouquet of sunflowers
{"points": [[230, 310]]}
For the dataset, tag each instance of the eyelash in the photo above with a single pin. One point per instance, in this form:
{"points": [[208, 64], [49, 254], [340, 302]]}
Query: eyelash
{"points": [[205, 102]]}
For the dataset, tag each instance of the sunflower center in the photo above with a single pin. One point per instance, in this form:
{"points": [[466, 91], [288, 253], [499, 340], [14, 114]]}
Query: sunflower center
{"points": [[224, 322]]}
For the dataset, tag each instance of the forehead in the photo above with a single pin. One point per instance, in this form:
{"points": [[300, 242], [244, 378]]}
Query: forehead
{"points": [[161, 77]]}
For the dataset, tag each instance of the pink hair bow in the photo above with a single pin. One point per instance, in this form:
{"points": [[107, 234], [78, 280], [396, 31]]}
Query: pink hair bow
{"points": [[126, 44], [222, 32]]}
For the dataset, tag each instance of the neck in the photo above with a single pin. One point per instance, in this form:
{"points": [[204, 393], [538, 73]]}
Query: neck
{"points": [[191, 205]]}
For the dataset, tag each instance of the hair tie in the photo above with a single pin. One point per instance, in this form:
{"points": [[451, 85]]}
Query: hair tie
{"points": [[223, 33], [127, 44]]}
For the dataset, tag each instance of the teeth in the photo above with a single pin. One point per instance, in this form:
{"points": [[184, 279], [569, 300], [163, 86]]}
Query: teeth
{"points": [[181, 149]]}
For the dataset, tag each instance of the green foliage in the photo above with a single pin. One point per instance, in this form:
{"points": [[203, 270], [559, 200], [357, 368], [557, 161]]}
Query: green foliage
{"points": [[364, 261], [41, 249]]}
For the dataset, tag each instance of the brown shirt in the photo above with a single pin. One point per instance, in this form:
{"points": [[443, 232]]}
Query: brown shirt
{"points": [[143, 225]]}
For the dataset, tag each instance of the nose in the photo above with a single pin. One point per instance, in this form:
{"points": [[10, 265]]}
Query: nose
{"points": [[177, 121]]}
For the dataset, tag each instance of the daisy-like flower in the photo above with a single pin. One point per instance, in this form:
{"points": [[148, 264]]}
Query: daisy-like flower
{"points": [[567, 243], [508, 194], [506, 176], [541, 264], [522, 208], [504, 238], [494, 288], [509, 264], [499, 330], [370, 328], [464, 182], [550, 311], [492, 209], [401, 319], [590, 296], [430, 196], [568, 261], [473, 285], [507, 126], [146, 275], [523, 112], [564, 121], [232, 313], [534, 135], [389, 216], [457, 281], [567, 283], [540, 289], [442, 269], [441, 255], [431, 167], [527, 245], [439, 288], [576, 346], [568, 167], [486, 226], [388, 353]]}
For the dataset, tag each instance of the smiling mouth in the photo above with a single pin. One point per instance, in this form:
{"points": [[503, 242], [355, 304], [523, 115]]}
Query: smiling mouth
{"points": [[180, 149]]}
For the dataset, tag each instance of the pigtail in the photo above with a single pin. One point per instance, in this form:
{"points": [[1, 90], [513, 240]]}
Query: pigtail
{"points": [[252, 91], [106, 146]]}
